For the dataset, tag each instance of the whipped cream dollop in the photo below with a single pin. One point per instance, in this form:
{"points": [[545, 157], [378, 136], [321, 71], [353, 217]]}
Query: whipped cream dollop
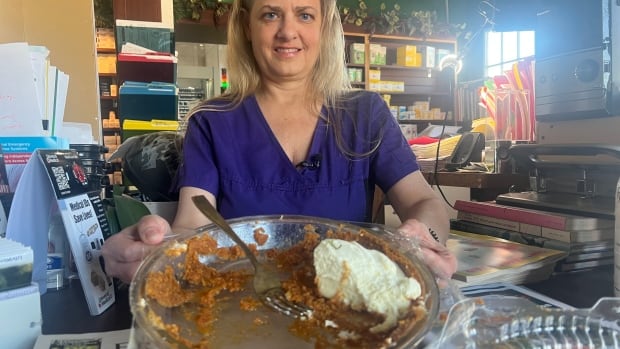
{"points": [[364, 279]]}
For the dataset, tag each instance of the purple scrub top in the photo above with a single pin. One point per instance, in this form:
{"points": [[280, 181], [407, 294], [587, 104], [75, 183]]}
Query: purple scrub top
{"points": [[235, 156]]}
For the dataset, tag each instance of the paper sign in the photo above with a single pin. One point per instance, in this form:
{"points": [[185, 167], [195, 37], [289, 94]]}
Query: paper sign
{"points": [[56, 177], [19, 109]]}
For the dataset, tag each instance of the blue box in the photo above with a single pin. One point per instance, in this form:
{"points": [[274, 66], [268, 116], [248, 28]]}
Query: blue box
{"points": [[148, 101]]}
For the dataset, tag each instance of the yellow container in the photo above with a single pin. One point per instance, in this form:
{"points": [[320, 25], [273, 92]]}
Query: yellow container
{"points": [[406, 55]]}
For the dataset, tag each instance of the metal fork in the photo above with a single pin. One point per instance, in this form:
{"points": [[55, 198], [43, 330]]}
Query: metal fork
{"points": [[266, 280]]}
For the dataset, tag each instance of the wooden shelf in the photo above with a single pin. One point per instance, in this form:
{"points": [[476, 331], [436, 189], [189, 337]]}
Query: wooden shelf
{"points": [[107, 75], [419, 83], [482, 186], [477, 180], [106, 50], [109, 97]]}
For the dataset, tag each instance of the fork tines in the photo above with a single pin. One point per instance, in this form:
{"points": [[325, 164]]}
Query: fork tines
{"points": [[277, 300]]}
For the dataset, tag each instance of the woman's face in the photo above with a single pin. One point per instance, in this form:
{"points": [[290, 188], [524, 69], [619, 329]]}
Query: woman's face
{"points": [[285, 37]]}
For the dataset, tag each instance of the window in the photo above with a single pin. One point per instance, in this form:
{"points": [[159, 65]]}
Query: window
{"points": [[505, 48]]}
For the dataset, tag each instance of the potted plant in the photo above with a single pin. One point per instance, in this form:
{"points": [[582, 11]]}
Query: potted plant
{"points": [[209, 12], [392, 22]]}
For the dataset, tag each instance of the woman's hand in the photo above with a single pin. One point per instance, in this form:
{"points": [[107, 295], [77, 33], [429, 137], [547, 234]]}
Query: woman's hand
{"points": [[124, 251], [438, 258]]}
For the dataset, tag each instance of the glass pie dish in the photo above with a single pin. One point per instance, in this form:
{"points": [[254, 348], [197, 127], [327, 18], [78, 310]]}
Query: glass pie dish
{"points": [[158, 326]]}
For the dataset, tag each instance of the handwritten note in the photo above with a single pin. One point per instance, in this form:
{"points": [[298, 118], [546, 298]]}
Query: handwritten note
{"points": [[19, 107]]}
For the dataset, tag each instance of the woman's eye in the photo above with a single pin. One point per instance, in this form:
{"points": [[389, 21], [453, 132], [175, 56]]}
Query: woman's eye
{"points": [[270, 15], [306, 17]]}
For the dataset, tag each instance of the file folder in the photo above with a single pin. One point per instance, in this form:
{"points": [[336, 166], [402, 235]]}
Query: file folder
{"points": [[148, 101]]}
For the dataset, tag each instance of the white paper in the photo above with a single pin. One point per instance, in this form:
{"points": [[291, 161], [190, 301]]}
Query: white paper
{"points": [[50, 92], [60, 100], [19, 111], [130, 47], [40, 62]]}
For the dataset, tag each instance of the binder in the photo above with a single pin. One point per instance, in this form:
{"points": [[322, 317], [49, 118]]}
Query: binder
{"points": [[149, 67], [152, 35]]}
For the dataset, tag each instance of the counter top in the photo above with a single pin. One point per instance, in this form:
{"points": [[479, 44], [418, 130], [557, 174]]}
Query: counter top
{"points": [[65, 311]]}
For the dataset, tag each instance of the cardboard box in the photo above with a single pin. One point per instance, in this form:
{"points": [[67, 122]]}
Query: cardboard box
{"points": [[105, 38], [377, 54], [357, 53], [406, 56], [428, 56], [106, 63], [374, 75]]}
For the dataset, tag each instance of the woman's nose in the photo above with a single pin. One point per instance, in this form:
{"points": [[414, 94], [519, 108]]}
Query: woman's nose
{"points": [[288, 28]]}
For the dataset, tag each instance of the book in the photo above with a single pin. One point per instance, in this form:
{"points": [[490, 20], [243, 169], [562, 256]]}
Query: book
{"points": [[15, 265], [563, 267], [550, 233], [482, 259], [102, 340], [553, 220], [573, 248], [508, 289]]}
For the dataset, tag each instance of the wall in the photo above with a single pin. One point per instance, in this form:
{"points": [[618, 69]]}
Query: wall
{"points": [[66, 28]]}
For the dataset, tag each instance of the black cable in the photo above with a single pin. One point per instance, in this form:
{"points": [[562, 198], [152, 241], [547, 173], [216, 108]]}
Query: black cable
{"points": [[435, 176]]}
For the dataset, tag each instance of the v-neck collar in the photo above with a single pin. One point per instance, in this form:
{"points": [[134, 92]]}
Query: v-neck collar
{"points": [[318, 136]]}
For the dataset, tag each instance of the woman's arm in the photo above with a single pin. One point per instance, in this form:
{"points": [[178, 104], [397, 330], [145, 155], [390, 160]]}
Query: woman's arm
{"points": [[423, 218]]}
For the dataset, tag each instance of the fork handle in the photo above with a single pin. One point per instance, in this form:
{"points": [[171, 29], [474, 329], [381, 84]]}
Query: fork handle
{"points": [[203, 204]]}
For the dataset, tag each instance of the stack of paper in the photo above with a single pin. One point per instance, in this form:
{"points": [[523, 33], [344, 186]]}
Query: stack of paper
{"points": [[15, 265], [33, 92], [429, 151]]}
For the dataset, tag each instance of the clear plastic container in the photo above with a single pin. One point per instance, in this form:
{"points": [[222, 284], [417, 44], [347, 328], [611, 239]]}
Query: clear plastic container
{"points": [[515, 322]]}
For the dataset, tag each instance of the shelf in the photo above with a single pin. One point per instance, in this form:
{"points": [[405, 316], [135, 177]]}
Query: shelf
{"points": [[106, 50], [107, 75], [400, 67], [109, 97], [419, 121], [111, 129], [355, 65], [380, 37]]}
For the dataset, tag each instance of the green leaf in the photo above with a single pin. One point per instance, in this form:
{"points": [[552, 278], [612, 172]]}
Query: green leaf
{"points": [[110, 213], [129, 210]]}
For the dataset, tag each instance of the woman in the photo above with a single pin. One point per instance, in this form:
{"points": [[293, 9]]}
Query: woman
{"points": [[291, 137]]}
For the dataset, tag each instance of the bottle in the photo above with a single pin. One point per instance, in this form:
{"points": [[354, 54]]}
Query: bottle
{"points": [[224, 79]]}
